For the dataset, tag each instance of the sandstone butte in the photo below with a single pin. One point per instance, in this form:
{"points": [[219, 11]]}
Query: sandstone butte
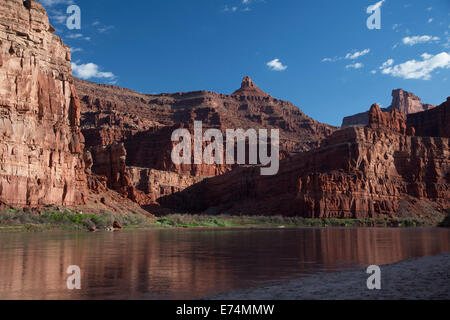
{"points": [[403, 101], [69, 142]]}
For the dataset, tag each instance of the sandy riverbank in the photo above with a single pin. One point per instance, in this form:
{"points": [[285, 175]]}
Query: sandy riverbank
{"points": [[426, 278]]}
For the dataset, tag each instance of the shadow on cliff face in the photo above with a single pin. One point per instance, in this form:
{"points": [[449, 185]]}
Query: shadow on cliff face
{"points": [[377, 171], [446, 222]]}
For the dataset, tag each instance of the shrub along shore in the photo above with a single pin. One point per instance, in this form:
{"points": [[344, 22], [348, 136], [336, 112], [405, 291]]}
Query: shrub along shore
{"points": [[65, 219]]}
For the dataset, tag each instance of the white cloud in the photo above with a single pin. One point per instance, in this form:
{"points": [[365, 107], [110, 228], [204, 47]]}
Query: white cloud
{"points": [[77, 36], [105, 29], [447, 44], [276, 65], [387, 63], [58, 16], [413, 69], [373, 71], [411, 41], [349, 56], [73, 50], [357, 65], [430, 20], [230, 9], [356, 54], [241, 6], [90, 70]]}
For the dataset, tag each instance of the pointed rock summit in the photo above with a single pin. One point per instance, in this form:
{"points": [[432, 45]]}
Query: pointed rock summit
{"points": [[247, 83], [248, 88]]}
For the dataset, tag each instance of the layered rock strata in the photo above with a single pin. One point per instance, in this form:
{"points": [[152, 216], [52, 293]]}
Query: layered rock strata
{"points": [[145, 123], [41, 145], [358, 172], [433, 123]]}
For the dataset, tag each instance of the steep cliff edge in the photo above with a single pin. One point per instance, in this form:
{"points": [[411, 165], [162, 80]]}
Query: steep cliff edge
{"points": [[41, 144], [357, 172], [42, 159]]}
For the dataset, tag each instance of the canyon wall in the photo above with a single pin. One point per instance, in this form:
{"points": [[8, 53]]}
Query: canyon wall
{"points": [[42, 149], [358, 172], [57, 149], [145, 123], [41, 144], [433, 123]]}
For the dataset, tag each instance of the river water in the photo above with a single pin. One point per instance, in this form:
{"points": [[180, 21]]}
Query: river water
{"points": [[194, 263]]}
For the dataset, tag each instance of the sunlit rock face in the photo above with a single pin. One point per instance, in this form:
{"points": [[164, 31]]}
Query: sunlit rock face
{"points": [[41, 144], [144, 123], [358, 172]]}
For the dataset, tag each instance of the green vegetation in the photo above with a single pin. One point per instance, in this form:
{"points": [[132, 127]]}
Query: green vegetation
{"points": [[226, 221], [65, 219]]}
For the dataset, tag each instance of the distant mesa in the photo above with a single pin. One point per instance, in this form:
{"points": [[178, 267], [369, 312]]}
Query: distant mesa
{"points": [[403, 101]]}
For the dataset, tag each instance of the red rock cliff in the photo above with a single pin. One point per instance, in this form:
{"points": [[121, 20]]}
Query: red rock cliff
{"points": [[357, 172], [41, 144], [144, 124], [433, 123]]}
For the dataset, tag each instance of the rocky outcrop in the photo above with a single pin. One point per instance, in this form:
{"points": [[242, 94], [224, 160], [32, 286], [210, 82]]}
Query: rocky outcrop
{"points": [[402, 101], [41, 145], [145, 123], [108, 127], [433, 123], [248, 107], [153, 148], [249, 89], [157, 184], [394, 120], [358, 172], [110, 162]]}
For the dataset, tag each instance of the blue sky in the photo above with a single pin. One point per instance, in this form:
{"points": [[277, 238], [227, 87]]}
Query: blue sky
{"points": [[318, 54]]}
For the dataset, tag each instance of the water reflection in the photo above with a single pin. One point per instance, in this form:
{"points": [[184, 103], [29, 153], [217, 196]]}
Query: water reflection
{"points": [[186, 264]]}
